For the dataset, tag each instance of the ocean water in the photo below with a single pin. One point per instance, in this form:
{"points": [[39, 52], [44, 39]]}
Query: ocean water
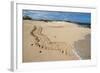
{"points": [[77, 17]]}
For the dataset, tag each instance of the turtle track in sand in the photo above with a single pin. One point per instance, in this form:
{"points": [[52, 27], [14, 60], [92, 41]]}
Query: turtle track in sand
{"points": [[43, 42]]}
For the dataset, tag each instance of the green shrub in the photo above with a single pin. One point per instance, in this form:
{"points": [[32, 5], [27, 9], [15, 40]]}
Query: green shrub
{"points": [[27, 18]]}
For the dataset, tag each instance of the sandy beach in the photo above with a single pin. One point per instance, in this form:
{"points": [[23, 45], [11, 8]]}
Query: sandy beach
{"points": [[55, 41]]}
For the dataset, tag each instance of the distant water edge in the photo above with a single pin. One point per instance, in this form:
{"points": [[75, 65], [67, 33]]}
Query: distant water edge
{"points": [[88, 25]]}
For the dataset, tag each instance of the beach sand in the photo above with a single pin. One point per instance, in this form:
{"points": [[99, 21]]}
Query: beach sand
{"points": [[54, 41]]}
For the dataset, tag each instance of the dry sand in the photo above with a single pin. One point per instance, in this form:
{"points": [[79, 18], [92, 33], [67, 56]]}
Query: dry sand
{"points": [[53, 41]]}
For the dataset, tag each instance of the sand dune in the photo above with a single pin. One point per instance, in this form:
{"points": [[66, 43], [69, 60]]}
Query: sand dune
{"points": [[50, 41]]}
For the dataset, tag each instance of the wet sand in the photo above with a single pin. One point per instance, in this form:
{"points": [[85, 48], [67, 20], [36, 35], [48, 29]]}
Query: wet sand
{"points": [[53, 41], [83, 47]]}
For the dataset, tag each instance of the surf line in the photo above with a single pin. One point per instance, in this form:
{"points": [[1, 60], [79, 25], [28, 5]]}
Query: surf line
{"points": [[74, 51]]}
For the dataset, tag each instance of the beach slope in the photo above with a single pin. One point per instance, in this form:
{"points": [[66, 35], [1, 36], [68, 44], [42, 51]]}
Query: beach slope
{"points": [[55, 40]]}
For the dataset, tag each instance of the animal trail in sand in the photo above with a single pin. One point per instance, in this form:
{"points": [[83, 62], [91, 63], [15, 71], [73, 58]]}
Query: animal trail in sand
{"points": [[43, 42]]}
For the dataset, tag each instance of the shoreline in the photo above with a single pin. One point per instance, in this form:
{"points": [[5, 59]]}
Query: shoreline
{"points": [[87, 25], [83, 47]]}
